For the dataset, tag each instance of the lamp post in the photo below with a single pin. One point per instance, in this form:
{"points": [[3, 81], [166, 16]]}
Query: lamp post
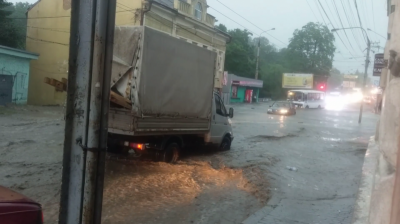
{"points": [[366, 65], [258, 51]]}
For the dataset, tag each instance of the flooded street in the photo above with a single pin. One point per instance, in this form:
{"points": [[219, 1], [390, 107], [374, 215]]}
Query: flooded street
{"points": [[254, 182]]}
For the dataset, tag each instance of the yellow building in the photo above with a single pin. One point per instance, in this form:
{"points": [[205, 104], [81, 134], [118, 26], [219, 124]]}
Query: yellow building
{"points": [[48, 35]]}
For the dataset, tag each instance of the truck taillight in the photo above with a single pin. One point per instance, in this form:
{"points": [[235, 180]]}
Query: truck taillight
{"points": [[136, 146]]}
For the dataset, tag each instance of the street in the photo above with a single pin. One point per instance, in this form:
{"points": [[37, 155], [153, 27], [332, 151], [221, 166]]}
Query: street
{"points": [[300, 169]]}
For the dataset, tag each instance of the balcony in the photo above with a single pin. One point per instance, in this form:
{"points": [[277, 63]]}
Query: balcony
{"points": [[183, 7], [210, 20]]}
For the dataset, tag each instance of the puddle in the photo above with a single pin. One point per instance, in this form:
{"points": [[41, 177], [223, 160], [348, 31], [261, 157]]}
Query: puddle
{"points": [[272, 137], [331, 139]]}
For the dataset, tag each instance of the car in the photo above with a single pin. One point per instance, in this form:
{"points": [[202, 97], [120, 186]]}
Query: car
{"points": [[282, 108], [367, 99], [16, 208]]}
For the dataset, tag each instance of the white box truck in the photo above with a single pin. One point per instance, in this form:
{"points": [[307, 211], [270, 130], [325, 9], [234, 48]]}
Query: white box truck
{"points": [[162, 96]]}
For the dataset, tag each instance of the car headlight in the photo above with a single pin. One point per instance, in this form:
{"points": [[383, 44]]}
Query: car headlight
{"points": [[283, 111]]}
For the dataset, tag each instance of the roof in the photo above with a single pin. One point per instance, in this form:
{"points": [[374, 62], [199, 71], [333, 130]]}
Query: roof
{"points": [[18, 53], [242, 81]]}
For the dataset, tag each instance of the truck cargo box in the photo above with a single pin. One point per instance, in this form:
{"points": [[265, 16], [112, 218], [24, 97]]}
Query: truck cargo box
{"points": [[160, 84]]}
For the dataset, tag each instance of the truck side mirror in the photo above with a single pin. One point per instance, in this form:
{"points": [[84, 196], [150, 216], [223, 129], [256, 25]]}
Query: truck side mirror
{"points": [[231, 112]]}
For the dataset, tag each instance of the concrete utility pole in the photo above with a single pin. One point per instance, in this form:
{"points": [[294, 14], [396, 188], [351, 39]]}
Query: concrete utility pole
{"points": [[365, 78], [258, 51], [90, 58], [366, 66]]}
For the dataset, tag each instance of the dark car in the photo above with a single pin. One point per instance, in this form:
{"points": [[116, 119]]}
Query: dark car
{"points": [[282, 108], [15, 208]]}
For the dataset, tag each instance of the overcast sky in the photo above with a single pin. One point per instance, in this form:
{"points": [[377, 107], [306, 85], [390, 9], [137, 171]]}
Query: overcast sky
{"points": [[288, 15]]}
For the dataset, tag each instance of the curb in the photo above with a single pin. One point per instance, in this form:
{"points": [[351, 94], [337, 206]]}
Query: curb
{"points": [[363, 201]]}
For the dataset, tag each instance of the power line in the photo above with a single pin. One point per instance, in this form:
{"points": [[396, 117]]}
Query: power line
{"points": [[322, 16], [233, 20], [355, 23], [244, 19], [239, 15], [359, 19], [311, 10], [46, 41], [55, 17], [332, 24], [373, 13], [337, 12], [350, 24], [49, 29]]}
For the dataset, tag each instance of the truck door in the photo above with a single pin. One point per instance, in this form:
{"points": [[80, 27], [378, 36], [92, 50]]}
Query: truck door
{"points": [[219, 120]]}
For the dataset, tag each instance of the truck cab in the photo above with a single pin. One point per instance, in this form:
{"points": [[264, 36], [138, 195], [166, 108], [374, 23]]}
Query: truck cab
{"points": [[221, 129]]}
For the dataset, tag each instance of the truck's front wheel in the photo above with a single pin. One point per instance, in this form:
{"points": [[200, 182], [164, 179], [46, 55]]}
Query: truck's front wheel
{"points": [[171, 153], [225, 144]]}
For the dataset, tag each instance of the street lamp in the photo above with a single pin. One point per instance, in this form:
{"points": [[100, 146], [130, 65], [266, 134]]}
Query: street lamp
{"points": [[258, 51], [366, 65]]}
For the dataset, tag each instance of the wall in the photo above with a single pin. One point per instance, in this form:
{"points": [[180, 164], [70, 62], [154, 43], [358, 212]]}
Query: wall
{"points": [[48, 35], [19, 69], [388, 130]]}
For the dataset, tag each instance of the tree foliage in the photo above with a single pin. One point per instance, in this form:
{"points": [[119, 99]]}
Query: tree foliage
{"points": [[19, 10], [13, 24], [240, 54], [8, 34], [311, 50]]}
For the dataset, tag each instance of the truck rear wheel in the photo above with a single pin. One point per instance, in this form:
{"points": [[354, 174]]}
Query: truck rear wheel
{"points": [[171, 153]]}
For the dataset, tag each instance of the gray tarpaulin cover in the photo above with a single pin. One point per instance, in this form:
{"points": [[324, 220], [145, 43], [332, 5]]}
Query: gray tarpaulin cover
{"points": [[173, 78]]}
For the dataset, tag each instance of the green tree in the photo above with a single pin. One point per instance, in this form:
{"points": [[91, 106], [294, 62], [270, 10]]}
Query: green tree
{"points": [[9, 33], [240, 57], [222, 27], [272, 77], [18, 16], [311, 49]]}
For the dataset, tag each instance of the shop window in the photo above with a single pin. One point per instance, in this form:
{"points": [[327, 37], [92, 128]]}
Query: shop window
{"points": [[234, 91]]}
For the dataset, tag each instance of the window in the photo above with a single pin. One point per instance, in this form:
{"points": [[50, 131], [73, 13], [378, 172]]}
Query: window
{"points": [[392, 8], [219, 106], [234, 91], [198, 11]]}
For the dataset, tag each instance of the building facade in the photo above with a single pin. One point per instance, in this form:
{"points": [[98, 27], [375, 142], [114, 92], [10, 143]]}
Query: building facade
{"points": [[238, 89], [385, 196], [48, 34], [14, 75]]}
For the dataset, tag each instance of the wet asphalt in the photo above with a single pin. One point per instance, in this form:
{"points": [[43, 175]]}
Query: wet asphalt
{"points": [[312, 161]]}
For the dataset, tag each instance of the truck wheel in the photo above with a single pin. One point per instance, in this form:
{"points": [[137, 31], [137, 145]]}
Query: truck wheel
{"points": [[171, 153], [225, 144]]}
